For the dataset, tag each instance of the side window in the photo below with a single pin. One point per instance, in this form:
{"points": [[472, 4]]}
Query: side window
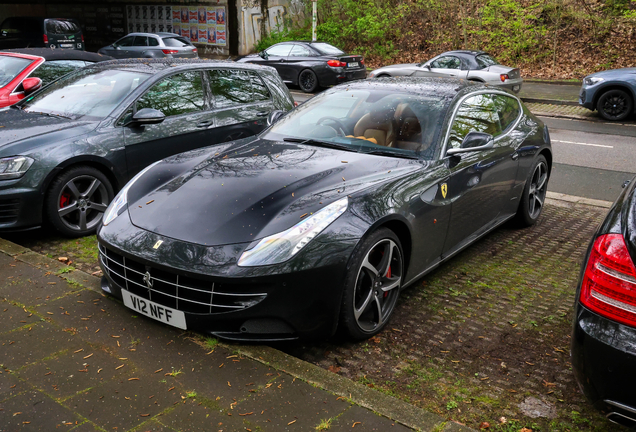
{"points": [[508, 109], [140, 41], [477, 113], [447, 63], [300, 51], [230, 87], [259, 89], [281, 50], [175, 95], [125, 42], [153, 41], [53, 69]]}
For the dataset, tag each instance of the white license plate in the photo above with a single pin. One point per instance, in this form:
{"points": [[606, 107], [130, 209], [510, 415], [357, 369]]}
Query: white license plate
{"points": [[515, 88], [352, 64], [153, 310], [66, 45]]}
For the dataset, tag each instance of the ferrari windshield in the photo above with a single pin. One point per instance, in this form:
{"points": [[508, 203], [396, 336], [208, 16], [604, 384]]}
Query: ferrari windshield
{"points": [[374, 121], [10, 67], [89, 94]]}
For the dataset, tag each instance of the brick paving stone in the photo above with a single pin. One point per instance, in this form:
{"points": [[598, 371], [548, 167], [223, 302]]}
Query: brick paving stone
{"points": [[17, 347], [33, 411]]}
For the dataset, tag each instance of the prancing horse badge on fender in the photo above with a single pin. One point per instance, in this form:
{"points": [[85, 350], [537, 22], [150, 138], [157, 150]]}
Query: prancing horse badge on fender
{"points": [[444, 189]]}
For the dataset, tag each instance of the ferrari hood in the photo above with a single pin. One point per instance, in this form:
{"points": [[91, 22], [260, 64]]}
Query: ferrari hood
{"points": [[20, 130], [243, 193]]}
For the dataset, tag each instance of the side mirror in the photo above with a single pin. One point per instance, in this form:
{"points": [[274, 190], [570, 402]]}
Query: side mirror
{"points": [[274, 116], [263, 55], [31, 85], [426, 66], [146, 116], [474, 141]]}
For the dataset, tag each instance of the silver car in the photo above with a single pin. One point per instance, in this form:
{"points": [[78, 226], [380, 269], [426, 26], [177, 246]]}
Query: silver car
{"points": [[471, 65], [151, 45]]}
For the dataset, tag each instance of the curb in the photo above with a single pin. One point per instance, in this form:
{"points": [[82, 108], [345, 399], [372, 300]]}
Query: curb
{"points": [[560, 82], [550, 101], [572, 199], [564, 116]]}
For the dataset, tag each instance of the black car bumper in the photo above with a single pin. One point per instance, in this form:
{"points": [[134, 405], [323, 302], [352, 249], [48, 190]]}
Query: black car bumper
{"points": [[330, 76], [298, 298], [604, 360], [20, 207]]}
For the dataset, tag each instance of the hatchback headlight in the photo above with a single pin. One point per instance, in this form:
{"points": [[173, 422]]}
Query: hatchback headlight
{"points": [[14, 167], [280, 247], [120, 203], [592, 80]]}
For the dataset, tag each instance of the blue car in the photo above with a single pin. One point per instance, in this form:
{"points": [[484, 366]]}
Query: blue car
{"points": [[610, 92]]}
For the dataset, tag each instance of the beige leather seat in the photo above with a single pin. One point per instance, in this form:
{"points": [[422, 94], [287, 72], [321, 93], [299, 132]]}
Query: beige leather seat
{"points": [[408, 135], [376, 126]]}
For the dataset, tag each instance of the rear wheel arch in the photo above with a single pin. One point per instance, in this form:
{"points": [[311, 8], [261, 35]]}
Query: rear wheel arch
{"points": [[547, 154]]}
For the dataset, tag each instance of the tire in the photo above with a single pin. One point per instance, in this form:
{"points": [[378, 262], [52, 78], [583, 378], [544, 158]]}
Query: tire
{"points": [[533, 197], [76, 200], [307, 80], [367, 305], [615, 105]]}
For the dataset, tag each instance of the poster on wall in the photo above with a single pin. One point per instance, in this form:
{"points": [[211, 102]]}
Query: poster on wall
{"points": [[202, 25]]}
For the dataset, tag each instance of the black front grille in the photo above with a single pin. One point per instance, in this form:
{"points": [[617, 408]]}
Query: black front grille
{"points": [[9, 209], [176, 291]]}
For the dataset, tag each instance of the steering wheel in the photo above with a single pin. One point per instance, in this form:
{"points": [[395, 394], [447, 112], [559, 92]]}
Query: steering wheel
{"points": [[340, 130]]}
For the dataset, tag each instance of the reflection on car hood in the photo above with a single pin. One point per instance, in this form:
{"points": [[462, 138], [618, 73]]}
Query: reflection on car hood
{"points": [[615, 73], [243, 193], [18, 126]]}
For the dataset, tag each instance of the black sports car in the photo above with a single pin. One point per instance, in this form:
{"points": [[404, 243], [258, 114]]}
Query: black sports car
{"points": [[310, 65], [604, 337], [323, 218]]}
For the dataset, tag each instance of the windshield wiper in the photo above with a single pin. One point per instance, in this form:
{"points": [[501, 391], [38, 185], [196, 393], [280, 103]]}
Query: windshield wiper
{"points": [[50, 114], [393, 154], [319, 143]]}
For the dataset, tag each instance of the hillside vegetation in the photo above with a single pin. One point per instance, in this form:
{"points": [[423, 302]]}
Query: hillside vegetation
{"points": [[563, 39]]}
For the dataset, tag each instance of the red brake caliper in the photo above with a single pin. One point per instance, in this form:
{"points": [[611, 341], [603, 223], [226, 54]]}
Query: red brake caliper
{"points": [[65, 199], [388, 274]]}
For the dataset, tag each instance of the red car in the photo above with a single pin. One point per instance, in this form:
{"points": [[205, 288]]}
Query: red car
{"points": [[23, 71]]}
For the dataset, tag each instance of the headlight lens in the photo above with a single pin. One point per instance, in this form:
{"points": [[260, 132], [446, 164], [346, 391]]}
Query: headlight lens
{"points": [[592, 80], [14, 167], [120, 203], [280, 247]]}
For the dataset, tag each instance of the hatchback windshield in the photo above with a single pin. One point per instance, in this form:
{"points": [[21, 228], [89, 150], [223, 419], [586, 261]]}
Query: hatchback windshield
{"points": [[326, 49], [485, 60], [372, 121], [10, 67], [89, 94]]}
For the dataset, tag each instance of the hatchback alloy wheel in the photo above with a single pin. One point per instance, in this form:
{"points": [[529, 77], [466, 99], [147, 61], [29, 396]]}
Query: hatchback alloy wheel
{"points": [[82, 202]]}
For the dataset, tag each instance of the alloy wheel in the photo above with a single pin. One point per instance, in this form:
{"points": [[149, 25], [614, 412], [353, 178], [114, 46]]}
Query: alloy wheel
{"points": [[307, 81], [538, 189], [615, 105], [82, 203], [377, 285]]}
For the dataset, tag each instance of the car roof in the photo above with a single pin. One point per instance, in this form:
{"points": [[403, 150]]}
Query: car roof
{"points": [[160, 34], [464, 52], [60, 54], [423, 86], [155, 66]]}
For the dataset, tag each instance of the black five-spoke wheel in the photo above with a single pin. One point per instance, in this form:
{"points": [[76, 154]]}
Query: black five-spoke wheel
{"points": [[308, 81], [373, 285], [534, 193], [77, 200], [615, 105]]}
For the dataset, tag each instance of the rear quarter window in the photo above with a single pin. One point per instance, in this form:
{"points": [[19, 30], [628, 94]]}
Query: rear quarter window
{"points": [[60, 27], [176, 42], [508, 109]]}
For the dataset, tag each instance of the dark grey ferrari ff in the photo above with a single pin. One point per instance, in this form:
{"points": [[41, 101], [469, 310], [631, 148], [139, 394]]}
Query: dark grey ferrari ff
{"points": [[320, 221], [67, 149]]}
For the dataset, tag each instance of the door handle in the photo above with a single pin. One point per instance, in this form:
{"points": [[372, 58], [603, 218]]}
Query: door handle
{"points": [[205, 124], [514, 156], [262, 113], [282, 60]]}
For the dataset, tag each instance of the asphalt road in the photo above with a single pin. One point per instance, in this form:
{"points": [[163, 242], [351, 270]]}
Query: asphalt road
{"points": [[591, 159]]}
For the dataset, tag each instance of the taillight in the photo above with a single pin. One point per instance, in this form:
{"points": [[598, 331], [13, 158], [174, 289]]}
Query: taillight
{"points": [[504, 77], [295, 103], [46, 39], [82, 37], [194, 49], [609, 282], [336, 63], [362, 61], [168, 51]]}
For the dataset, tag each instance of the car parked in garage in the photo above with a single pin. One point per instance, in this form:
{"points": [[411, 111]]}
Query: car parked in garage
{"points": [[612, 93], [310, 65], [604, 335], [33, 32], [471, 65], [151, 45], [66, 149], [25, 70], [322, 219]]}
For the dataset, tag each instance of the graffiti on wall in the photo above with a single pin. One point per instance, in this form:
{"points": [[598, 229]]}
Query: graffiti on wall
{"points": [[281, 14]]}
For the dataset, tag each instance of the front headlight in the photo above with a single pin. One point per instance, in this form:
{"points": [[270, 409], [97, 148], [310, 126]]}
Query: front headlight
{"points": [[592, 80], [14, 167], [120, 203], [280, 247]]}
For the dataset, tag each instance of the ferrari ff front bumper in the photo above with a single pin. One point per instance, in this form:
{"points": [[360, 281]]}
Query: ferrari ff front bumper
{"points": [[298, 298]]}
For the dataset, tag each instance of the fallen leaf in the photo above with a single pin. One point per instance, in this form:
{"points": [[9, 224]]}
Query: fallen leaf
{"points": [[484, 425], [334, 368]]}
